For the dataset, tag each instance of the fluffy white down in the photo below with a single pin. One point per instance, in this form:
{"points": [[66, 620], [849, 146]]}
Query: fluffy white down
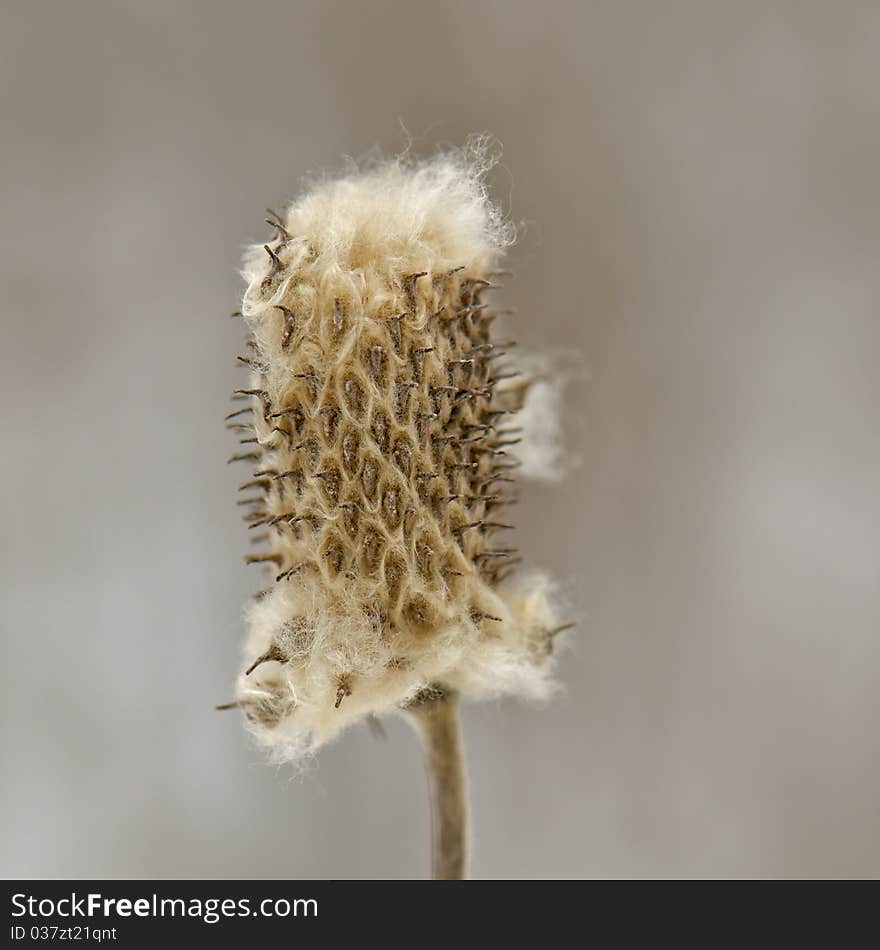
{"points": [[370, 227], [396, 217], [478, 667]]}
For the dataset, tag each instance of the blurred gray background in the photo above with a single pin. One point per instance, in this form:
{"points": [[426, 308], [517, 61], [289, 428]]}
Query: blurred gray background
{"points": [[700, 193]]}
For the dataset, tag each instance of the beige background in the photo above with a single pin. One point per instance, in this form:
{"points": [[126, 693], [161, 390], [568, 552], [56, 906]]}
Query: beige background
{"points": [[700, 187]]}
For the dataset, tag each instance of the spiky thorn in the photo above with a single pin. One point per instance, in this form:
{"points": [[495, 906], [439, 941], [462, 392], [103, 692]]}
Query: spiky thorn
{"points": [[472, 288], [488, 450], [253, 500], [409, 286], [287, 412], [277, 430], [464, 394], [508, 467], [286, 575], [402, 395], [490, 479], [275, 222], [292, 473], [263, 559], [254, 483], [232, 705], [463, 466], [456, 440], [560, 629], [276, 218], [500, 553], [513, 374], [289, 326], [343, 690], [478, 616], [277, 263], [238, 412], [501, 501], [417, 355], [289, 518], [273, 653], [261, 394], [477, 499], [394, 330], [464, 315], [450, 572], [243, 457]]}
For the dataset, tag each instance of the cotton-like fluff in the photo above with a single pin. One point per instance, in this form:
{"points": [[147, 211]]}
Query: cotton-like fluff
{"points": [[380, 426]]}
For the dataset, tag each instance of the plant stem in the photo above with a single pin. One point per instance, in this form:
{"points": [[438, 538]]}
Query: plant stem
{"points": [[436, 720]]}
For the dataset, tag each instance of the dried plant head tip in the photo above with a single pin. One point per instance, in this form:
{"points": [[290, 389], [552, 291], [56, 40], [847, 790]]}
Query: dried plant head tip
{"points": [[380, 435]]}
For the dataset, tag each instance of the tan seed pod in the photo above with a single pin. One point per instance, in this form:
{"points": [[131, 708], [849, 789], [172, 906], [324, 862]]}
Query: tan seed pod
{"points": [[379, 439]]}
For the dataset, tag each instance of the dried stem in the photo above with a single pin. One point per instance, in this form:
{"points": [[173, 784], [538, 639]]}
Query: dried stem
{"points": [[437, 722]]}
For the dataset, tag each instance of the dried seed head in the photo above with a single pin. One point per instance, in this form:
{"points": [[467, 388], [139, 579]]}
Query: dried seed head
{"points": [[378, 395]]}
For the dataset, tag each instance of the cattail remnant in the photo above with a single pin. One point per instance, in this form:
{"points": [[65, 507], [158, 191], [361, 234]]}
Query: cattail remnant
{"points": [[380, 441]]}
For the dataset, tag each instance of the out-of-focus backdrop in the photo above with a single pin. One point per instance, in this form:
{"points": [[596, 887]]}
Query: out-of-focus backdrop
{"points": [[699, 189]]}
